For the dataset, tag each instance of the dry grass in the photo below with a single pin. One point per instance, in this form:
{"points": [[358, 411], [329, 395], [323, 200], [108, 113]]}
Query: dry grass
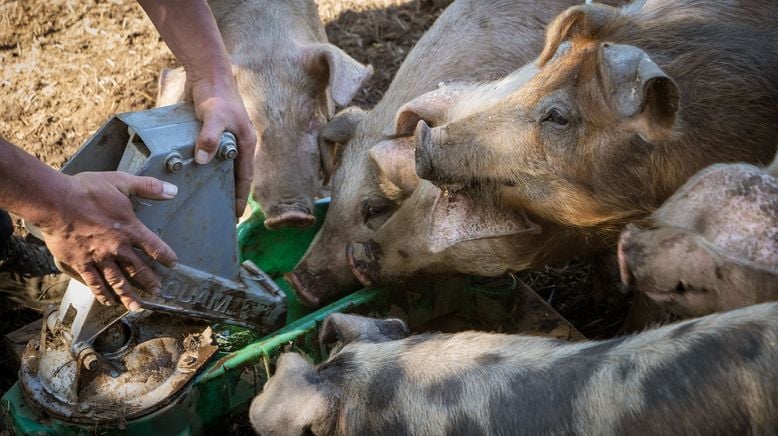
{"points": [[69, 65]]}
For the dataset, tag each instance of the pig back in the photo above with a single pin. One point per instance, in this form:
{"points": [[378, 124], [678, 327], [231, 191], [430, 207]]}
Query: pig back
{"points": [[713, 375], [248, 25], [734, 206], [724, 58]]}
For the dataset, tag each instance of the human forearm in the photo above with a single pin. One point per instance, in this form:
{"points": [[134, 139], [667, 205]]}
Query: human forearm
{"points": [[87, 222], [189, 29], [29, 188]]}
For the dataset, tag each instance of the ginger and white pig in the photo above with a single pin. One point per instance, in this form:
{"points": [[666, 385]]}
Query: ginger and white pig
{"points": [[372, 154], [713, 245], [713, 375], [290, 79], [622, 106]]}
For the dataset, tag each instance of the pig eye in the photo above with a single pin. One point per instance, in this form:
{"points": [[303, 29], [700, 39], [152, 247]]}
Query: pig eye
{"points": [[555, 117], [374, 211]]}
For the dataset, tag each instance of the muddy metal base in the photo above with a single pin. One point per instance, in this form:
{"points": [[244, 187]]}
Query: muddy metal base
{"points": [[144, 367], [225, 387]]}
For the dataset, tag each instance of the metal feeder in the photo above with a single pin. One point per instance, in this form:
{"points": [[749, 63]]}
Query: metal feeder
{"points": [[95, 364]]}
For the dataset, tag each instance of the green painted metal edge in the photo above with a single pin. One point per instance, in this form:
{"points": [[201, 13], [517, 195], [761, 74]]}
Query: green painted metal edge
{"points": [[268, 345]]}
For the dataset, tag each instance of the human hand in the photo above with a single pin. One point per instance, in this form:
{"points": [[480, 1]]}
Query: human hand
{"points": [[189, 29], [94, 231], [219, 106]]}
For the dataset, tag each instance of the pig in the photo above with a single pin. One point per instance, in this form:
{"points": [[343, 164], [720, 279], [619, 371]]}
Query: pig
{"points": [[290, 79], [371, 153], [416, 242], [712, 375], [437, 232], [620, 108], [713, 245]]}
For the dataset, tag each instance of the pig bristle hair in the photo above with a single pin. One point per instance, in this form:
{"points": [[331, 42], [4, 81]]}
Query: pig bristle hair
{"points": [[622, 375]]}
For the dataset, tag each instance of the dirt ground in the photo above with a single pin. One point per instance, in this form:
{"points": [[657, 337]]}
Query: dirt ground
{"points": [[67, 65]]}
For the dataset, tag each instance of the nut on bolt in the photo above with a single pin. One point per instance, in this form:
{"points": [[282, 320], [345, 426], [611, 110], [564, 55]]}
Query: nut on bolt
{"points": [[174, 162], [228, 147], [90, 361], [88, 358], [86, 355]]}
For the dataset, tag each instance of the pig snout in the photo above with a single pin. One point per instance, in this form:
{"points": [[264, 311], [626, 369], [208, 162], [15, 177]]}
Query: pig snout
{"points": [[293, 216], [315, 287], [433, 161], [363, 258], [423, 150]]}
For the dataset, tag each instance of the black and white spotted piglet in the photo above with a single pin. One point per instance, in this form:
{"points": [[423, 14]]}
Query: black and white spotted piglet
{"points": [[716, 375]]}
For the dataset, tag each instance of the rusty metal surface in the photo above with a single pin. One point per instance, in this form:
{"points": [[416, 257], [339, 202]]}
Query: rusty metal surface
{"points": [[131, 378]]}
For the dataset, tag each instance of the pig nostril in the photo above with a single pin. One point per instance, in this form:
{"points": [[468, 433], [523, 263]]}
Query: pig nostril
{"points": [[422, 131], [362, 259], [423, 161], [350, 252], [680, 288], [292, 279]]}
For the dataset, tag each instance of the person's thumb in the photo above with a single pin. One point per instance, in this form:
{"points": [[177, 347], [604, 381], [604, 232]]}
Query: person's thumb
{"points": [[208, 140], [149, 187]]}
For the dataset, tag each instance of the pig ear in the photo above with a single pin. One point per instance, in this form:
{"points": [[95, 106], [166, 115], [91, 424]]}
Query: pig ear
{"points": [[577, 21], [333, 137], [344, 328], [432, 107], [395, 162], [455, 218], [344, 75], [171, 87], [639, 90]]}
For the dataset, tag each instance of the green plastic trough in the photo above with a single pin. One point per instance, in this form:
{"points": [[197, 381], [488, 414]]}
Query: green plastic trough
{"points": [[222, 392]]}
